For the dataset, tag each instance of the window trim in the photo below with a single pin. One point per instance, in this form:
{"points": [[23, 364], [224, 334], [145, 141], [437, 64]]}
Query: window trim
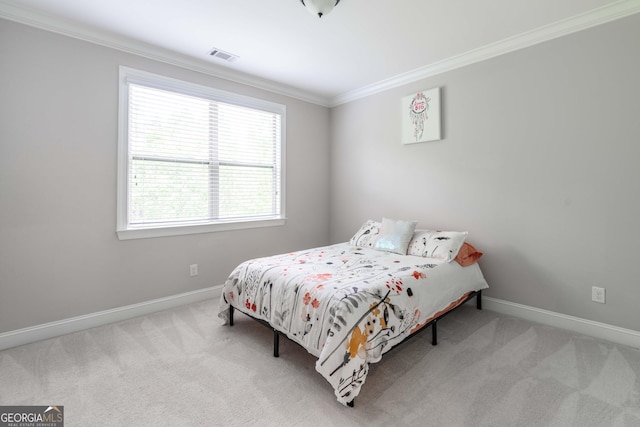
{"points": [[123, 229]]}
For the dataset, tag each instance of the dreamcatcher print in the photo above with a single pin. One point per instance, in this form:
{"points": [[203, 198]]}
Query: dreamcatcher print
{"points": [[421, 116], [418, 113]]}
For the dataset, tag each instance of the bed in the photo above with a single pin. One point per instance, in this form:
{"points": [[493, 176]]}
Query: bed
{"points": [[349, 303]]}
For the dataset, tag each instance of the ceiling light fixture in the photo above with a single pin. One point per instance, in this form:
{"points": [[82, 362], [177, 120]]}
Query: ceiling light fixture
{"points": [[319, 7]]}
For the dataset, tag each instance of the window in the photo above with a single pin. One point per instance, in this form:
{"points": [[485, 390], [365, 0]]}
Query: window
{"points": [[194, 159]]}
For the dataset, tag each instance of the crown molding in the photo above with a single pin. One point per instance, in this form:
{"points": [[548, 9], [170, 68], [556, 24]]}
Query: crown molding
{"points": [[23, 15], [595, 17]]}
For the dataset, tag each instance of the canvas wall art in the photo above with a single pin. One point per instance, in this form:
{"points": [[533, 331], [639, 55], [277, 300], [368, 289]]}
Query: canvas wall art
{"points": [[421, 116]]}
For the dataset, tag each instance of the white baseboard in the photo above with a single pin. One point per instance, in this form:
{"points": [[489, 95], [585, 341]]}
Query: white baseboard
{"points": [[575, 324], [62, 327], [54, 329]]}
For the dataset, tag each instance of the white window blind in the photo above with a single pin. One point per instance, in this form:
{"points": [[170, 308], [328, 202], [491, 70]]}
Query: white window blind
{"points": [[196, 156]]}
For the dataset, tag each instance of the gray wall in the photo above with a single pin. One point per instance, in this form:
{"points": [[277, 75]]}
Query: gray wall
{"points": [[59, 254], [539, 162]]}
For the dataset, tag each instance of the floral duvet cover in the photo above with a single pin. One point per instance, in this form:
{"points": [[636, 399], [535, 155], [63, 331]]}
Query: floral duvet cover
{"points": [[347, 305]]}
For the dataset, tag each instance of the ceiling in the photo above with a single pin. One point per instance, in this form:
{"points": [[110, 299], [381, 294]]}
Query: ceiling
{"points": [[361, 46]]}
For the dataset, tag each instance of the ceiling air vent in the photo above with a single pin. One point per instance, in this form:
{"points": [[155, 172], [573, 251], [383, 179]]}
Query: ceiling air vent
{"points": [[221, 54]]}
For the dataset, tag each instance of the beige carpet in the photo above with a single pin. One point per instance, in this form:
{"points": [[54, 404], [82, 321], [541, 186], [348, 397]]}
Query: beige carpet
{"points": [[181, 368]]}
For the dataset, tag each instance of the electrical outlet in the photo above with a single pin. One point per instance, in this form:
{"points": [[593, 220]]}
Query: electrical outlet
{"points": [[597, 294], [193, 270]]}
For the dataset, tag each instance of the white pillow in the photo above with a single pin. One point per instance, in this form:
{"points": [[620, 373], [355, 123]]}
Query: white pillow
{"points": [[437, 244], [395, 235], [367, 235]]}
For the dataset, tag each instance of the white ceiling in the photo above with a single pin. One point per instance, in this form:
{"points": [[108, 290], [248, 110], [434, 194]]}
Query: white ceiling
{"points": [[360, 46]]}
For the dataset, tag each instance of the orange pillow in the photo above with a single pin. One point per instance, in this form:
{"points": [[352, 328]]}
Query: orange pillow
{"points": [[467, 255]]}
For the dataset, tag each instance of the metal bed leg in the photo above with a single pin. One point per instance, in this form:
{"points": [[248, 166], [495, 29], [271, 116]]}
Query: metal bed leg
{"points": [[276, 344], [434, 332], [230, 315], [479, 300]]}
